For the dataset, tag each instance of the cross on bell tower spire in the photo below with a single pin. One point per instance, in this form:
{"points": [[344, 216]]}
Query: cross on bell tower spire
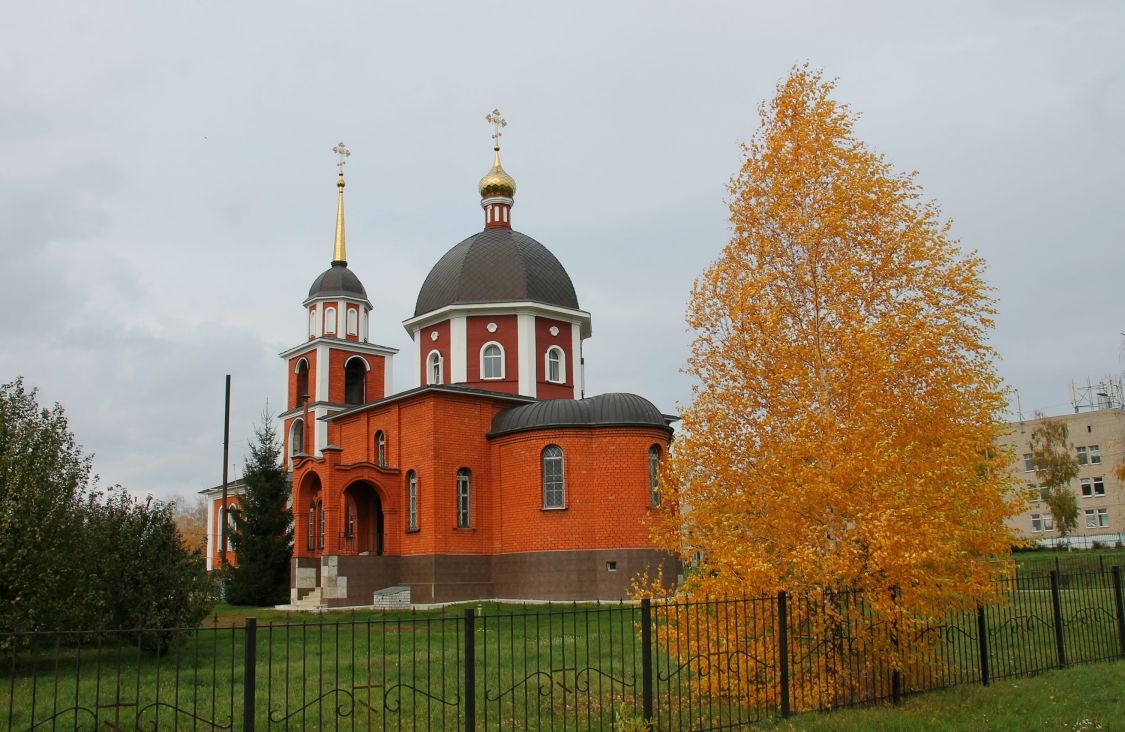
{"points": [[497, 188]]}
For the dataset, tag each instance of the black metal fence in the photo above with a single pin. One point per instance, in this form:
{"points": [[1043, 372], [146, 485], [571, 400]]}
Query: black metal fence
{"points": [[713, 664]]}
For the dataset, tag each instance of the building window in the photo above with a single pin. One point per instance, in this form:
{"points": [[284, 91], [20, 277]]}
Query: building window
{"points": [[411, 501], [1095, 455], [554, 489], [464, 498], [296, 439], [380, 448], [1028, 463], [302, 387], [654, 475], [433, 368], [1082, 459], [312, 526], [349, 520], [1097, 518], [355, 376], [556, 365], [312, 323], [353, 321], [319, 525], [1093, 487], [1042, 522], [492, 361], [329, 320]]}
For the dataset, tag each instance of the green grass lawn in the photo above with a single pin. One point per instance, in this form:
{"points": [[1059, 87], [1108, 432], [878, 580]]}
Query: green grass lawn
{"points": [[1090, 697], [537, 667], [1079, 560]]}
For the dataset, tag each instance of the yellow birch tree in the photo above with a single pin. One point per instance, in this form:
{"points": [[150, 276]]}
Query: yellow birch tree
{"points": [[842, 431]]}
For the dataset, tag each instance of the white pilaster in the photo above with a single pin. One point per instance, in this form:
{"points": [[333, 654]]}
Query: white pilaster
{"points": [[416, 359], [319, 331], [525, 346], [458, 343], [321, 388], [321, 430], [576, 360], [388, 375], [341, 319], [210, 533]]}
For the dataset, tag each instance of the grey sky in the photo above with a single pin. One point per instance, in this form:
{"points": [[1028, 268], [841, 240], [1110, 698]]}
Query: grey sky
{"points": [[167, 189]]}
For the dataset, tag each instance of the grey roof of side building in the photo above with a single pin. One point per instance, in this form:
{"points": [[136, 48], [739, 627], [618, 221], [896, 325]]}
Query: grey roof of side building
{"points": [[603, 410], [496, 265], [337, 280]]}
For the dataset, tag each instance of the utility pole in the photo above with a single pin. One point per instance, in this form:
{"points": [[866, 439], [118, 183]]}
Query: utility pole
{"points": [[223, 518]]}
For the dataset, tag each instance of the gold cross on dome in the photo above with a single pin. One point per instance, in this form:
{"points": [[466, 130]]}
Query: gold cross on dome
{"points": [[497, 122], [342, 152]]}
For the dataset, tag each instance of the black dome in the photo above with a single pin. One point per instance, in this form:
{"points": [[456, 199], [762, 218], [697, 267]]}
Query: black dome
{"points": [[603, 410], [496, 265], [337, 280]]}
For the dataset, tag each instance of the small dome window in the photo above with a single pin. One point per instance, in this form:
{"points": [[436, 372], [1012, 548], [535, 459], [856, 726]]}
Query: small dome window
{"points": [[492, 361], [556, 365], [353, 321], [434, 368], [330, 320]]}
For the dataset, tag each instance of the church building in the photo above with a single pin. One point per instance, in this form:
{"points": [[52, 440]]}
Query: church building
{"points": [[495, 476]]}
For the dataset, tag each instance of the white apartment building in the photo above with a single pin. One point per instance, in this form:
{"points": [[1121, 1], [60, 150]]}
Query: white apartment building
{"points": [[1097, 438]]}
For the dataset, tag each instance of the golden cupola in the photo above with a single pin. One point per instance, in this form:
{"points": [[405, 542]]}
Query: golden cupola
{"points": [[497, 182], [497, 188]]}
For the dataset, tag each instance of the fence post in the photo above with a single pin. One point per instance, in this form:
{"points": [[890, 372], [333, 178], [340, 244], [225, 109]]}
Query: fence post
{"points": [[249, 665], [1056, 606], [783, 650], [896, 674], [470, 672], [1120, 607], [982, 643], [646, 659]]}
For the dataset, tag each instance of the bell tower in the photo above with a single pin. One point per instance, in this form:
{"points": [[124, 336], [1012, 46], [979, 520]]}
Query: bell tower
{"points": [[337, 367]]}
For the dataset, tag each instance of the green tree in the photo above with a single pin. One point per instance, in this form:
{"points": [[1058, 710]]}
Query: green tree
{"points": [[44, 477], [73, 557], [263, 526], [1055, 466]]}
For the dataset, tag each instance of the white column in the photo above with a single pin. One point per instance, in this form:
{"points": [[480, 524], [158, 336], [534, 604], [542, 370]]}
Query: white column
{"points": [[576, 360], [528, 358], [388, 375], [319, 330], [210, 533], [341, 319], [320, 390], [363, 335], [416, 359], [458, 342], [320, 431]]}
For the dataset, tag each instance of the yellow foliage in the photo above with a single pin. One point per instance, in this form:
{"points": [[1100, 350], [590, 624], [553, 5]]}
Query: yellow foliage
{"points": [[843, 425]]}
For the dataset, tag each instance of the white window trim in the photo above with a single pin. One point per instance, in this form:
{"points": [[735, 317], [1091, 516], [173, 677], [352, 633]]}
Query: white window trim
{"points": [[411, 500], [503, 362], [330, 320], [349, 359], [430, 359], [547, 365], [352, 319], [292, 435]]}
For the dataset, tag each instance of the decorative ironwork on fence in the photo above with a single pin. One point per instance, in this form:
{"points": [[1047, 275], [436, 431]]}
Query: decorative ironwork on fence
{"points": [[711, 664]]}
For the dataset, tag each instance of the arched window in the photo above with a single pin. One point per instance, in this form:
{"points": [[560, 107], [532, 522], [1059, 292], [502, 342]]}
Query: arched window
{"points": [[554, 489], [296, 439], [312, 323], [492, 361], [312, 526], [329, 320], [654, 475], [230, 524], [556, 365], [411, 501], [319, 524], [464, 498], [349, 520], [302, 387], [433, 368], [355, 376], [353, 321], [380, 448]]}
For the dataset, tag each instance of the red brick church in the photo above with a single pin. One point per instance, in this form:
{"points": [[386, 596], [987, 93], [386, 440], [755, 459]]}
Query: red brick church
{"points": [[495, 476]]}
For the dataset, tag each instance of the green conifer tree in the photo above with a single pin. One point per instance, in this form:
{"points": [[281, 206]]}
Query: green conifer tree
{"points": [[262, 538]]}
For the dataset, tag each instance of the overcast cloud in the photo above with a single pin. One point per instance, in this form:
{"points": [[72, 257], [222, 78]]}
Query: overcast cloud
{"points": [[167, 189]]}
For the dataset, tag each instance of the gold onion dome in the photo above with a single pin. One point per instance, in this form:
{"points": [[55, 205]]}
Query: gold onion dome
{"points": [[496, 182]]}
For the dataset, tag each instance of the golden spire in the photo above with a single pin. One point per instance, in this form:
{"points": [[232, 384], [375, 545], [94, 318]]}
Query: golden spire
{"points": [[497, 182], [339, 251]]}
